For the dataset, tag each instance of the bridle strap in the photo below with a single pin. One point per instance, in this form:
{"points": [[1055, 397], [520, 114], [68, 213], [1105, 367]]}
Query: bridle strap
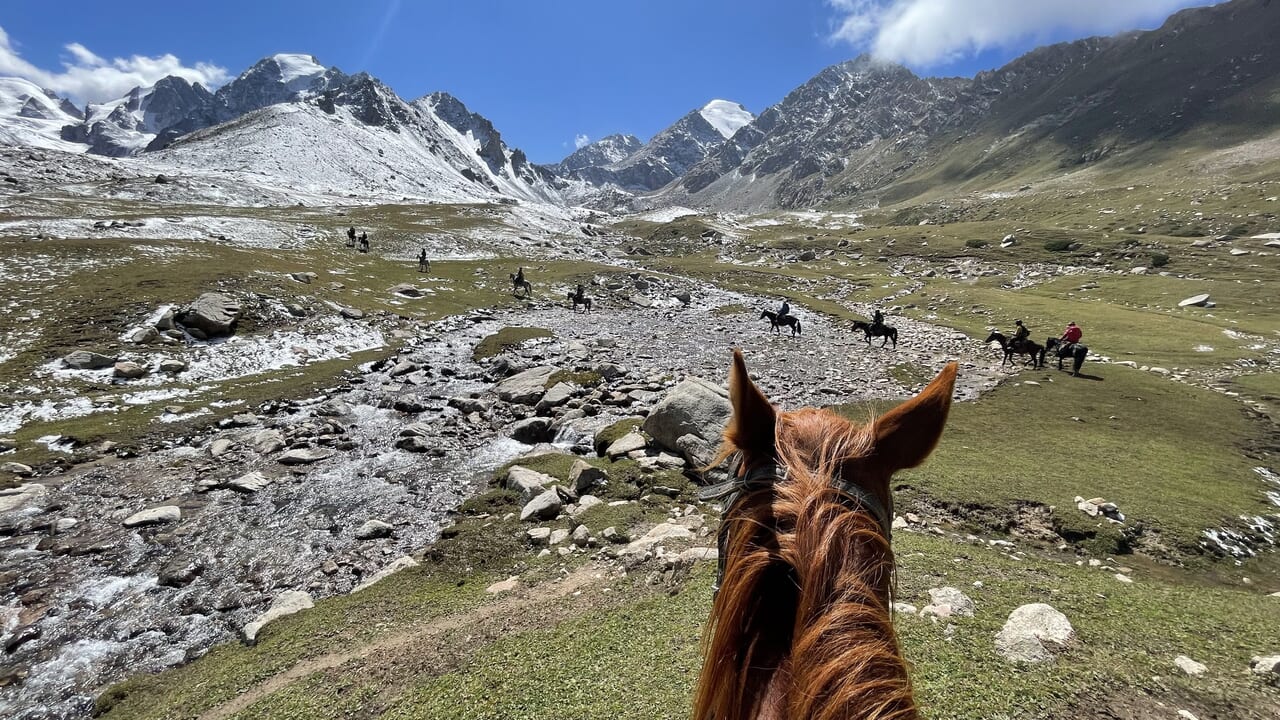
{"points": [[762, 477]]}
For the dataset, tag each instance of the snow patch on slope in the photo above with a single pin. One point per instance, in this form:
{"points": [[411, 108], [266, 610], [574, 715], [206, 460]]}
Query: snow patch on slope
{"points": [[726, 117], [298, 71], [30, 117]]}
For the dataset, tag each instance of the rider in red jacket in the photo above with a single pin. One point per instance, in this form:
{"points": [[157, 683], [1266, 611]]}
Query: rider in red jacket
{"points": [[1072, 334]]}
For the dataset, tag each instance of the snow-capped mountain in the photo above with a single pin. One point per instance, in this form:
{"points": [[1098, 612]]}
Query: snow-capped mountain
{"points": [[670, 153], [359, 137], [31, 115], [126, 126], [601, 153]]}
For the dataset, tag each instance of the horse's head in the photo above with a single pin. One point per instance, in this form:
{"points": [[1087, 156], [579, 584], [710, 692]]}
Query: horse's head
{"points": [[764, 314], [801, 624], [994, 337]]}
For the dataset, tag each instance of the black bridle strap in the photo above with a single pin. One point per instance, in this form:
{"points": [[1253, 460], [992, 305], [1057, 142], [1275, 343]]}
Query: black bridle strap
{"points": [[765, 476]]}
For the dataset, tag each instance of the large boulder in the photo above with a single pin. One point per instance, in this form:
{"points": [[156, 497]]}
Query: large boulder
{"points": [[1030, 631], [86, 360], [154, 516], [213, 314], [694, 407], [543, 507], [529, 483], [525, 388], [531, 431]]}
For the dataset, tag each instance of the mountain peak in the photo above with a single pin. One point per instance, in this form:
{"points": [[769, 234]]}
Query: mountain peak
{"points": [[725, 116]]}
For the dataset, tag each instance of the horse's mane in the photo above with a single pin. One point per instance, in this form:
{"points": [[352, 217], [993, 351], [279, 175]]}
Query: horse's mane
{"points": [[801, 625]]}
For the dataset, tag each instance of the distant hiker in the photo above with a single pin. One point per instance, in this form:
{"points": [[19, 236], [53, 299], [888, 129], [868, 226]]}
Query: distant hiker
{"points": [[351, 236], [1072, 334], [364, 242], [424, 265], [1020, 335], [878, 319]]}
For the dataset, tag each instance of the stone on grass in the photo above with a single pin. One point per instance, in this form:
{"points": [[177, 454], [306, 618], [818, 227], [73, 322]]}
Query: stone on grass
{"points": [[543, 507], [584, 476], [557, 536], [351, 313], [212, 314], [407, 290], [529, 483], [286, 603], [401, 563], [585, 503], [503, 586], [1266, 667], [659, 534], [630, 442], [154, 516], [1196, 300], [1189, 666], [957, 602], [539, 536], [1031, 633], [17, 468]]}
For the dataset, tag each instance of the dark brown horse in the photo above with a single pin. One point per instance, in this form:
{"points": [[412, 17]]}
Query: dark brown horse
{"points": [[1076, 351], [888, 332], [1021, 347], [800, 627], [777, 321]]}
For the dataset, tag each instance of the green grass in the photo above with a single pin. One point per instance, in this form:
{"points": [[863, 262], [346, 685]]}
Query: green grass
{"points": [[506, 339], [1020, 444]]}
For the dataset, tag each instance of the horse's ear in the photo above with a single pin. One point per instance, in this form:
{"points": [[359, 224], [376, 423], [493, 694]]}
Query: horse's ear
{"points": [[752, 426], [906, 435]]}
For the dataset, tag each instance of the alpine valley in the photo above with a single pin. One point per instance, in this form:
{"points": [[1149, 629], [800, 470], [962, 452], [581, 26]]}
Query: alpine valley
{"points": [[253, 467]]}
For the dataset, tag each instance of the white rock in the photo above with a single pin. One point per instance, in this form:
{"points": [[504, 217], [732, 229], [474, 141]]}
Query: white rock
{"points": [[503, 586], [557, 536], [13, 498], [250, 482], [543, 507], [1189, 666], [529, 483], [1267, 667], [627, 443], [399, 564], [1030, 630], [372, 529], [154, 516], [1124, 578], [585, 503], [904, 608], [659, 533], [960, 604], [304, 456], [701, 554], [286, 603]]}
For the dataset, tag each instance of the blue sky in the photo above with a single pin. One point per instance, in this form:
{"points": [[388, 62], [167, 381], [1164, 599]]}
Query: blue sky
{"points": [[546, 71]]}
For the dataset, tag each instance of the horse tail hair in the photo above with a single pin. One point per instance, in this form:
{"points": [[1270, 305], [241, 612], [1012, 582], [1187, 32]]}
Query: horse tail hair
{"points": [[798, 329]]}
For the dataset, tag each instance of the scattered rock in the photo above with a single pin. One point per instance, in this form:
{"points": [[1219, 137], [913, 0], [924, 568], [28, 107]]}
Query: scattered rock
{"points": [[1266, 667], [584, 476], [1189, 666], [250, 482], [559, 394], [144, 335], [532, 431], [213, 314], [694, 407], [528, 483], [172, 365], [304, 456], [525, 388], [351, 313], [1031, 632], [180, 571], [543, 507], [1197, 300], [268, 441], [950, 601], [402, 563], [503, 586], [407, 290], [86, 360], [373, 529], [539, 536], [154, 516], [627, 443], [304, 277], [220, 447], [17, 468], [660, 533], [286, 603]]}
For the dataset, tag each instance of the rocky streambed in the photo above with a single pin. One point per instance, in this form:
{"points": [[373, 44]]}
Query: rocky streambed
{"points": [[320, 494]]}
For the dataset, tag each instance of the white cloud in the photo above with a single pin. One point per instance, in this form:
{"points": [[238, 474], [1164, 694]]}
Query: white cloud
{"points": [[581, 141], [87, 77], [933, 32]]}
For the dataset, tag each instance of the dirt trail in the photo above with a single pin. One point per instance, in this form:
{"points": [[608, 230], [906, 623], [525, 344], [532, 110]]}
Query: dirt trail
{"points": [[520, 599]]}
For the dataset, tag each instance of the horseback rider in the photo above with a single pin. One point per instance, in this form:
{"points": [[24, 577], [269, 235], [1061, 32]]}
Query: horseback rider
{"points": [[878, 319], [520, 276], [424, 265], [351, 236], [364, 241], [1071, 335], [578, 295], [785, 310], [1020, 336]]}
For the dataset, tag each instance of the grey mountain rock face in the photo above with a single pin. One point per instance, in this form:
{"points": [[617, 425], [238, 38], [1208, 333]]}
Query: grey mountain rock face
{"points": [[601, 153]]}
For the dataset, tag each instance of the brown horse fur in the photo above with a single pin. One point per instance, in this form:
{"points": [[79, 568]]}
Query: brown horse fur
{"points": [[801, 628]]}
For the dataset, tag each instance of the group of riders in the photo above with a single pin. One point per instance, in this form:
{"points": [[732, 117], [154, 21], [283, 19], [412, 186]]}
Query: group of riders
{"points": [[877, 319], [362, 238], [1022, 335]]}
